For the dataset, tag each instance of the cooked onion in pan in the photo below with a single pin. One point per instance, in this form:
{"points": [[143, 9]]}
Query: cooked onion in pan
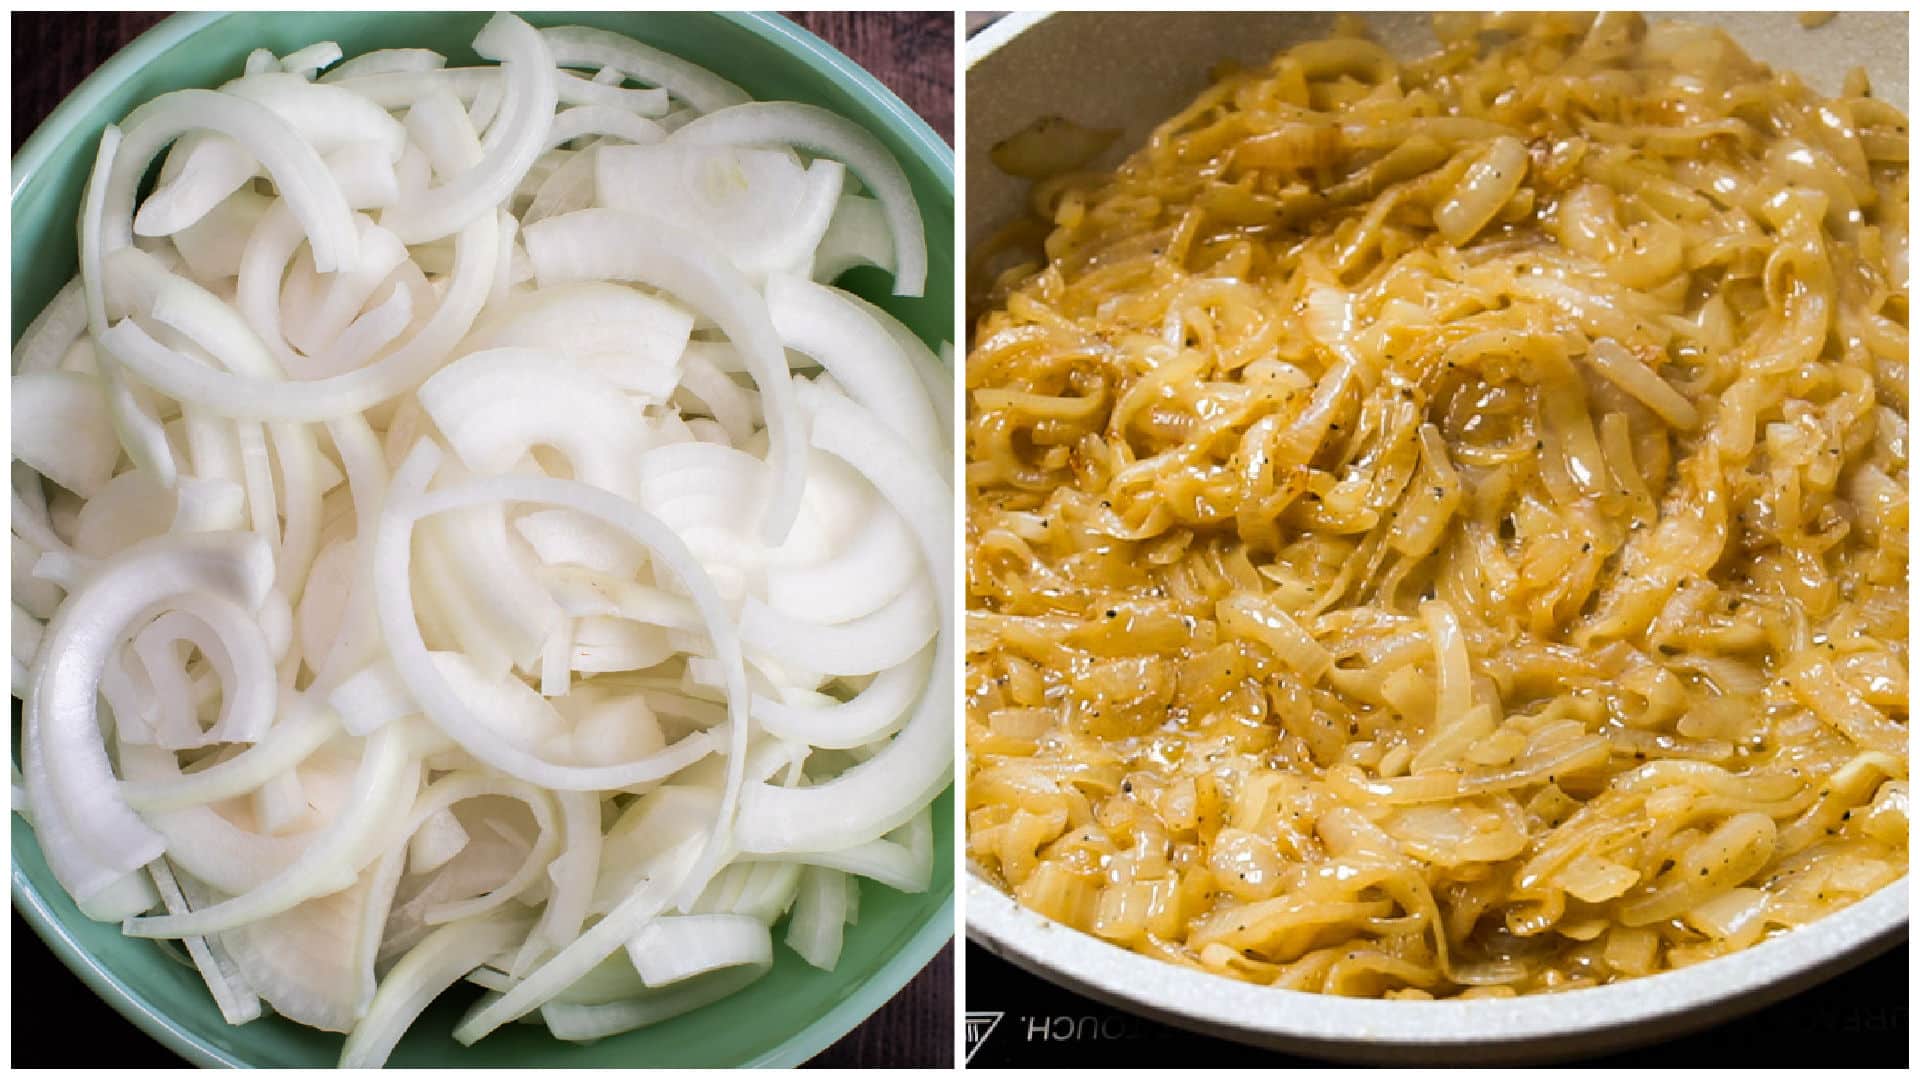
{"points": [[1438, 526]]}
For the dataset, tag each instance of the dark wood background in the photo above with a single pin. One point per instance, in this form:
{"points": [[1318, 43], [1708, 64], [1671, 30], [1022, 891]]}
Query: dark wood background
{"points": [[912, 53]]}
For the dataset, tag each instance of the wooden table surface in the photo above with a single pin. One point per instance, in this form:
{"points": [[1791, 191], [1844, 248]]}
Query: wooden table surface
{"points": [[912, 53]]}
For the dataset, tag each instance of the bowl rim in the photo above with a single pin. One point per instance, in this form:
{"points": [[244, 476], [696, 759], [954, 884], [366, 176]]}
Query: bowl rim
{"points": [[1364, 1029], [170, 31], [868, 995]]}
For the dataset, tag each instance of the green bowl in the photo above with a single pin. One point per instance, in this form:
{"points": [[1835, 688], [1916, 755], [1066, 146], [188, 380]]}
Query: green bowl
{"points": [[795, 1011]]}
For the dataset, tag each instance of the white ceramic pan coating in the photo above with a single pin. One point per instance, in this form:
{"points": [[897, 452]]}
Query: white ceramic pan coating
{"points": [[1129, 72]]}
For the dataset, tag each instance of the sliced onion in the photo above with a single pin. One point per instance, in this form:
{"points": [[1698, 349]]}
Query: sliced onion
{"points": [[387, 774], [677, 947], [891, 785], [279, 802], [62, 430], [860, 355], [370, 699], [439, 961], [766, 210], [564, 538], [290, 742], [385, 61], [328, 399], [874, 714], [52, 332], [307, 962], [427, 684], [230, 638], [856, 236], [74, 774], [496, 405], [526, 112], [585, 1023], [886, 638], [810, 128], [584, 46], [237, 1002], [601, 940], [819, 917], [201, 171], [621, 334], [458, 786], [297, 171], [606, 244], [141, 434], [326, 117]]}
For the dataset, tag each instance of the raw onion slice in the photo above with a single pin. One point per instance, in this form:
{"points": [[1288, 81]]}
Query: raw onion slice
{"points": [[496, 405], [511, 713], [891, 785], [427, 684], [606, 244], [326, 399], [62, 430], [584, 46], [237, 1001], [767, 211], [811, 128], [298, 173], [438, 962], [673, 948], [860, 355], [76, 784], [515, 138]]}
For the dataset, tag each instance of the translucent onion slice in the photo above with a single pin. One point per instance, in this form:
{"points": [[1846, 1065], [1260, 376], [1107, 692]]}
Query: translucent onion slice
{"points": [[237, 1002], [819, 917], [62, 430], [673, 948], [242, 397], [439, 961], [496, 405], [584, 46], [298, 174], [73, 773], [813, 129], [609, 245], [860, 355], [515, 139], [428, 686], [889, 787], [385, 781]]}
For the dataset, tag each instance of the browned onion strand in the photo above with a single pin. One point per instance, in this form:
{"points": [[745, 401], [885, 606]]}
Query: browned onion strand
{"points": [[1439, 527]]}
